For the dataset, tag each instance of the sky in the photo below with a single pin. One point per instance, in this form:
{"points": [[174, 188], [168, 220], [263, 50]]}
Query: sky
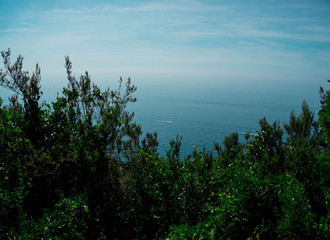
{"points": [[171, 41]]}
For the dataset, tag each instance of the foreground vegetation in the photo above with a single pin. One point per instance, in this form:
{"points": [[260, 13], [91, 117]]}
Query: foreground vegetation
{"points": [[78, 168]]}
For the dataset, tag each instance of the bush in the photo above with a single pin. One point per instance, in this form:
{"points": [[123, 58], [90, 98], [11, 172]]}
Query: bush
{"points": [[77, 169]]}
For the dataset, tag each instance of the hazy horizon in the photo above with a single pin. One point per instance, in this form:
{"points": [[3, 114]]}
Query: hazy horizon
{"points": [[171, 41]]}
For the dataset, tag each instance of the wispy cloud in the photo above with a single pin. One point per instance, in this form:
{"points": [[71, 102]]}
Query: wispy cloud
{"points": [[165, 6], [17, 30], [316, 28], [188, 6], [257, 33], [69, 11], [27, 23], [180, 37], [246, 32]]}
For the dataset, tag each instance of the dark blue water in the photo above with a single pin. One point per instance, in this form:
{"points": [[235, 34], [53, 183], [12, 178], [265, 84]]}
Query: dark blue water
{"points": [[206, 112]]}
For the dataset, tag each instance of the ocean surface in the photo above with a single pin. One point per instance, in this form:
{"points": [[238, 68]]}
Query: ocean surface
{"points": [[206, 112], [202, 114]]}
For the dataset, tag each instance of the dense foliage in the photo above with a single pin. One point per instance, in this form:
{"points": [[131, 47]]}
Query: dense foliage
{"points": [[78, 169]]}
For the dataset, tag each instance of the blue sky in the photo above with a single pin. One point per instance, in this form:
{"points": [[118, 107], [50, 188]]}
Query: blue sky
{"points": [[176, 40]]}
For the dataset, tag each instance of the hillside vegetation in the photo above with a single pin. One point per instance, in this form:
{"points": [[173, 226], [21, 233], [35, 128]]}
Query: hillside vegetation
{"points": [[78, 168]]}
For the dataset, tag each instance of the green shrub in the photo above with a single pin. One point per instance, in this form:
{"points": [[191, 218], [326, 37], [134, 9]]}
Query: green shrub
{"points": [[68, 220]]}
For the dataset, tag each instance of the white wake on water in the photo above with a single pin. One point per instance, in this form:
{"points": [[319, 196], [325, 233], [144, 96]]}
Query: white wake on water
{"points": [[164, 121]]}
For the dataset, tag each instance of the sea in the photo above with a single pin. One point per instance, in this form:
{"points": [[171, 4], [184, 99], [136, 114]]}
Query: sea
{"points": [[204, 112]]}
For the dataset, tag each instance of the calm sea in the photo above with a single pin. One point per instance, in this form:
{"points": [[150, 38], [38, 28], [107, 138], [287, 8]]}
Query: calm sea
{"points": [[206, 112]]}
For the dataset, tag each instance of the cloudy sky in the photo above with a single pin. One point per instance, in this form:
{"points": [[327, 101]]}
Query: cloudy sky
{"points": [[281, 40]]}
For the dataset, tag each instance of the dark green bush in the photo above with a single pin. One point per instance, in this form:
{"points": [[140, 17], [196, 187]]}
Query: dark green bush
{"points": [[78, 169]]}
